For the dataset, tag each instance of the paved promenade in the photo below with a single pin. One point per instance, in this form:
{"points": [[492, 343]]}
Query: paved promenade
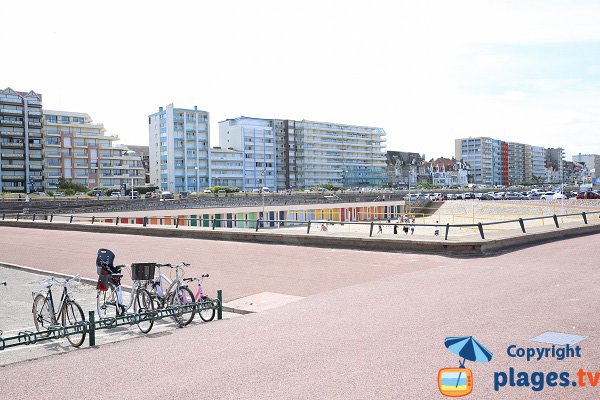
{"points": [[373, 328]]}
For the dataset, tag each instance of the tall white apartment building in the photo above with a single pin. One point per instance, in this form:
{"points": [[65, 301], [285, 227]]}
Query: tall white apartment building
{"points": [[256, 139], [297, 154], [179, 149], [20, 141], [348, 155], [496, 162], [226, 167], [77, 149]]}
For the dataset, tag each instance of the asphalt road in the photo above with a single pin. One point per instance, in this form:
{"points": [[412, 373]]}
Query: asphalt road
{"points": [[380, 336]]}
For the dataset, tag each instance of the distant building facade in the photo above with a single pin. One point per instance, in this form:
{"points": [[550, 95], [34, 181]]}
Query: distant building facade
{"points": [[405, 168], [227, 167], [297, 154], [591, 162], [449, 172], [179, 149], [79, 150], [497, 162], [20, 141], [142, 151]]}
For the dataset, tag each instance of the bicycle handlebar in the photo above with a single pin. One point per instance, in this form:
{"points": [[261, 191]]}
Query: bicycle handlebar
{"points": [[196, 278]]}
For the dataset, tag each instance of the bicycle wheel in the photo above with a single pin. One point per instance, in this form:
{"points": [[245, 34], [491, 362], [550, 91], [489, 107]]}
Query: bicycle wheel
{"points": [[183, 296], [142, 304], [207, 314], [106, 303], [42, 317], [72, 314]]}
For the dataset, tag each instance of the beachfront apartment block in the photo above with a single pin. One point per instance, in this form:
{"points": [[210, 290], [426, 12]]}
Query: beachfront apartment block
{"points": [[255, 138], [179, 149], [226, 167], [79, 150], [498, 162], [20, 141], [301, 154]]}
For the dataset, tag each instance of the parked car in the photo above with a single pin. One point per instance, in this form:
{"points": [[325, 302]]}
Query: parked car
{"points": [[115, 194], [559, 196], [534, 196], [207, 191], [547, 196], [588, 195], [514, 196], [487, 196], [167, 195]]}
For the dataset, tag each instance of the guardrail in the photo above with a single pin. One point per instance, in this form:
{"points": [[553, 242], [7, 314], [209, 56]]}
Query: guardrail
{"points": [[264, 224], [26, 338]]}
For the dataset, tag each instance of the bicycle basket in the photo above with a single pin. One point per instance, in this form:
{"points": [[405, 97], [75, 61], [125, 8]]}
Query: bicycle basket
{"points": [[142, 271]]}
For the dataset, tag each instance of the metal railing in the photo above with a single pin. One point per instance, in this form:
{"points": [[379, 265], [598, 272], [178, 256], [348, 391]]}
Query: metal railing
{"points": [[267, 224]]}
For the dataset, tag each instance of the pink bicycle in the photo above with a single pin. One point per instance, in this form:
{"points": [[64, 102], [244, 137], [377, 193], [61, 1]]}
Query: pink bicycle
{"points": [[207, 308]]}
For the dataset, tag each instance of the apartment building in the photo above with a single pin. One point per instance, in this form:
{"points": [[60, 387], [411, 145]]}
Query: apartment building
{"points": [[497, 162], [348, 155], [255, 138], [179, 149], [405, 168], [226, 167], [297, 154], [20, 141], [77, 149], [591, 161], [448, 172]]}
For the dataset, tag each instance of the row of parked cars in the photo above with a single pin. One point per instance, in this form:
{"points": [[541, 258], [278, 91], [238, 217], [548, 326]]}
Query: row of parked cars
{"points": [[532, 195]]}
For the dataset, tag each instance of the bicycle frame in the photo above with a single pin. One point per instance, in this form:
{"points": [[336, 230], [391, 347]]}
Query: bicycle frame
{"points": [[64, 299]]}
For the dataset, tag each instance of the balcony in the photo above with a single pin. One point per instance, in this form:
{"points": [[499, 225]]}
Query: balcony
{"points": [[13, 156], [35, 156], [7, 111], [6, 100], [11, 133], [36, 146], [35, 167], [34, 103], [13, 178], [13, 188], [12, 167], [11, 145], [36, 114], [10, 122], [35, 124]]}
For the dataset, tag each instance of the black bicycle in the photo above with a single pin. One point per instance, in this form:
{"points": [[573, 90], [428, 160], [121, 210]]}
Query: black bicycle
{"points": [[69, 313]]}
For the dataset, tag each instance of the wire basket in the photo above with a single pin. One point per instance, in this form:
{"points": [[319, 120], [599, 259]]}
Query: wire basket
{"points": [[142, 271]]}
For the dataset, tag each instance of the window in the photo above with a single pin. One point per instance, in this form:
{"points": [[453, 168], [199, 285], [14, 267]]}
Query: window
{"points": [[64, 119], [78, 120], [51, 118]]}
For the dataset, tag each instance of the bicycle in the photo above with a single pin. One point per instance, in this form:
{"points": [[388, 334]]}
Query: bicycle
{"points": [[109, 293], [176, 293], [69, 312], [206, 314]]}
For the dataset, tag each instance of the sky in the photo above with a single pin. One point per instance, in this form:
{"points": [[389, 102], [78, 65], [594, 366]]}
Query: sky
{"points": [[427, 72]]}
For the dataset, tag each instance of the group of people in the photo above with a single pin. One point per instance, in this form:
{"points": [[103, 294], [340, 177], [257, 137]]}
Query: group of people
{"points": [[402, 219]]}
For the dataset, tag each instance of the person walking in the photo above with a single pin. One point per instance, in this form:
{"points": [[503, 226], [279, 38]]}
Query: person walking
{"points": [[379, 229], [412, 229], [405, 229], [395, 229]]}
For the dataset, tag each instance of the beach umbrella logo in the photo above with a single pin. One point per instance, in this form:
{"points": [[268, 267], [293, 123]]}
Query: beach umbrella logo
{"points": [[458, 382]]}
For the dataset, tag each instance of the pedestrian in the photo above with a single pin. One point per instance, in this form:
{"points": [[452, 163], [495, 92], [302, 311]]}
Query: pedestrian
{"points": [[412, 229], [405, 229], [379, 229], [395, 229], [437, 229]]}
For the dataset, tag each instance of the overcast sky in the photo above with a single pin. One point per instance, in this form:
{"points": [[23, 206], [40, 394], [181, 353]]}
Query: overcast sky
{"points": [[426, 71]]}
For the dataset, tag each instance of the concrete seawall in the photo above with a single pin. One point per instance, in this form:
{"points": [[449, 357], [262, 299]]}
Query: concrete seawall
{"points": [[467, 247]]}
